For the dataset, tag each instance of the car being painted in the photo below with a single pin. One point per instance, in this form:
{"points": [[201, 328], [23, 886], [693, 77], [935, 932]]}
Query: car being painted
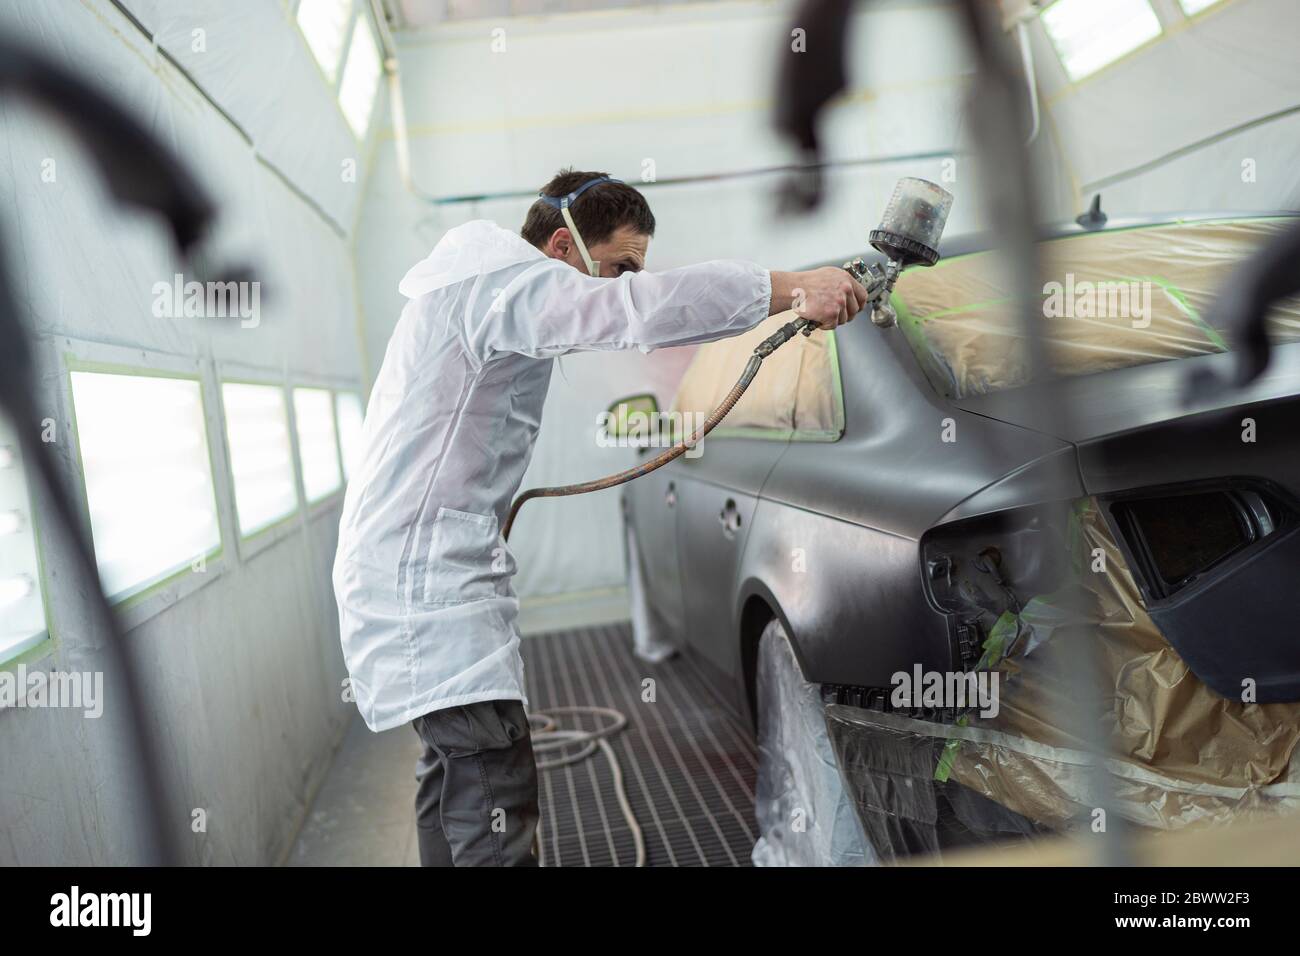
{"points": [[881, 547]]}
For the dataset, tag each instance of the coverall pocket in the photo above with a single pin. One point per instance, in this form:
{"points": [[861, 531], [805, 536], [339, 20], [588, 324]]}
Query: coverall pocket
{"points": [[465, 553], [473, 728]]}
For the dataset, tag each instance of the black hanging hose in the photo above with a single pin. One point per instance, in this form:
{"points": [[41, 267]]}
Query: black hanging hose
{"points": [[761, 351], [139, 171]]}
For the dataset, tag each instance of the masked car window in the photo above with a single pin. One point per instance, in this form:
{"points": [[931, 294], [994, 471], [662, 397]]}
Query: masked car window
{"points": [[796, 394], [1110, 300]]}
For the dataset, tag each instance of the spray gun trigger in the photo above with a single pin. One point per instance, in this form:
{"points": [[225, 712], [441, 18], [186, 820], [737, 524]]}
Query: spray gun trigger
{"points": [[879, 283]]}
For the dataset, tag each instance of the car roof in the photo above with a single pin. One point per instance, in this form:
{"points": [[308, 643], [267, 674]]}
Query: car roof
{"points": [[984, 241]]}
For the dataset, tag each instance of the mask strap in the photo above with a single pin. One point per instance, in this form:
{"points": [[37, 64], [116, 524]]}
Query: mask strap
{"points": [[592, 267], [562, 204]]}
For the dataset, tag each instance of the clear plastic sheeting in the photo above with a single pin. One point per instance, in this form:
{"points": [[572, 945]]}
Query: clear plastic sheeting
{"points": [[648, 642], [889, 766], [804, 816], [1111, 299]]}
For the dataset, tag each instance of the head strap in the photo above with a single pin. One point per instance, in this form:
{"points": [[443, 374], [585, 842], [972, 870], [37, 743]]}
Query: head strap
{"points": [[562, 203]]}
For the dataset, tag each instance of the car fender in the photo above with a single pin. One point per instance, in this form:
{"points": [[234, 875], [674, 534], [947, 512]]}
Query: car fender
{"points": [[824, 578]]}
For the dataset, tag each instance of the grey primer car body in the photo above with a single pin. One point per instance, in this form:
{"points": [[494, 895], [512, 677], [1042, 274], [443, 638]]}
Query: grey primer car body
{"points": [[878, 512]]}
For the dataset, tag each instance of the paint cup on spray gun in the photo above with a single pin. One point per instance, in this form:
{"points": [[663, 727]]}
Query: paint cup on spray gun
{"points": [[908, 235]]}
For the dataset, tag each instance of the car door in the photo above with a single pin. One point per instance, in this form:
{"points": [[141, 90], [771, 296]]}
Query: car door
{"points": [[795, 394], [652, 503], [716, 498]]}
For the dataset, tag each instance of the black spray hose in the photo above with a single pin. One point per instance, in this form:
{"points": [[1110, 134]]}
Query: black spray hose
{"points": [[765, 348]]}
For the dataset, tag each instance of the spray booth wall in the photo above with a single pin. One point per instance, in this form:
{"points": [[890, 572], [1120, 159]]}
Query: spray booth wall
{"points": [[1205, 118], [241, 665]]}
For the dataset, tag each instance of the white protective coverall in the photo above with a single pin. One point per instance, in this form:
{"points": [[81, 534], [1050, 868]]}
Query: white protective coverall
{"points": [[426, 608]]}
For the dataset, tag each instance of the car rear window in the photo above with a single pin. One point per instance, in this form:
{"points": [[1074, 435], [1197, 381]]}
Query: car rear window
{"points": [[796, 395], [1110, 300]]}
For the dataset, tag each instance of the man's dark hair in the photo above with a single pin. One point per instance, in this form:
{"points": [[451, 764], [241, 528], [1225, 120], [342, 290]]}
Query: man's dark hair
{"points": [[597, 213]]}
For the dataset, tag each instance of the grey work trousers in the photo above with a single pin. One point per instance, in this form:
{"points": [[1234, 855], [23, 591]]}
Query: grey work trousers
{"points": [[476, 803]]}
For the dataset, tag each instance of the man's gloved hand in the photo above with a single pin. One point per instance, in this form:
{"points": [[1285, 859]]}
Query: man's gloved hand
{"points": [[828, 296]]}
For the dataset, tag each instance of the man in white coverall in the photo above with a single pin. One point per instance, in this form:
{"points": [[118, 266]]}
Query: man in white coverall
{"points": [[422, 576]]}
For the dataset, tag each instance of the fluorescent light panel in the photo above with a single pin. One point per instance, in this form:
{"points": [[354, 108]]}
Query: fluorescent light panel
{"points": [[318, 450], [351, 416], [261, 457], [1089, 34], [324, 23], [144, 456], [22, 611], [360, 77]]}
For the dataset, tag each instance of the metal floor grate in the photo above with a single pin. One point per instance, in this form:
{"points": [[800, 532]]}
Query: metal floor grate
{"points": [[689, 762]]}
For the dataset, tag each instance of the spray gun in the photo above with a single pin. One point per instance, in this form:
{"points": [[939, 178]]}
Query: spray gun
{"points": [[908, 234]]}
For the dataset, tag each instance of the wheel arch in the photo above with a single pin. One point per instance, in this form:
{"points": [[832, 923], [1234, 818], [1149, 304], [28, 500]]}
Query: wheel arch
{"points": [[758, 607]]}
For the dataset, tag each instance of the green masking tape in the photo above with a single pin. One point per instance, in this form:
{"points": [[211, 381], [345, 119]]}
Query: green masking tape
{"points": [[1004, 631]]}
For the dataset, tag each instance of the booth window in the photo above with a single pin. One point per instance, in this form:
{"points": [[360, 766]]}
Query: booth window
{"points": [[1090, 34], [350, 415], [148, 478], [324, 24], [22, 609], [797, 396], [261, 457], [318, 450], [360, 77]]}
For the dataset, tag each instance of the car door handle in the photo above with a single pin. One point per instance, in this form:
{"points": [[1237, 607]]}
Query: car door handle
{"points": [[670, 496], [729, 518]]}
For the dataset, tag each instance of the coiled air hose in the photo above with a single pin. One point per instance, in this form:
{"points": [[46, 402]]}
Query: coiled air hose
{"points": [[549, 736], [761, 351]]}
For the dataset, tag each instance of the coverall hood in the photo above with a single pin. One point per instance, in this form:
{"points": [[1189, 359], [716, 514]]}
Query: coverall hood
{"points": [[475, 248]]}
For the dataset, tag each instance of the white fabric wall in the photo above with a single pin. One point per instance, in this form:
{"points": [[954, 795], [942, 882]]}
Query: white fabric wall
{"points": [[241, 670], [256, 65], [1233, 65]]}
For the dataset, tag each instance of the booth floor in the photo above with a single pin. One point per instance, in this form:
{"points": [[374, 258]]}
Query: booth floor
{"points": [[689, 764]]}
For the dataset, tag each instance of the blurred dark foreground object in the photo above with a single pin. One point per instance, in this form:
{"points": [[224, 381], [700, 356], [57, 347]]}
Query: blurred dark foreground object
{"points": [[139, 172], [1241, 311]]}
